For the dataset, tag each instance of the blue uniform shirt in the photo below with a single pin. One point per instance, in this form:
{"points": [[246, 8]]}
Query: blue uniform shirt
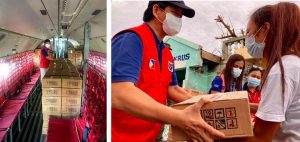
{"points": [[127, 52], [44, 52], [217, 83]]}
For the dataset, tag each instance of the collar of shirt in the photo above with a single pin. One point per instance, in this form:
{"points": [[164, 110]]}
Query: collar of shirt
{"points": [[159, 44]]}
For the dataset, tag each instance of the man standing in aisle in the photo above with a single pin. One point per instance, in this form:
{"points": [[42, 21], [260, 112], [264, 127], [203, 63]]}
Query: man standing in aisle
{"points": [[45, 58], [143, 77]]}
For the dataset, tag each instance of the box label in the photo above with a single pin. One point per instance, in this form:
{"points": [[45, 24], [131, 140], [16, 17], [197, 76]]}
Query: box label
{"points": [[51, 100], [52, 110], [51, 92], [71, 109], [71, 92], [221, 118], [52, 83], [71, 101]]}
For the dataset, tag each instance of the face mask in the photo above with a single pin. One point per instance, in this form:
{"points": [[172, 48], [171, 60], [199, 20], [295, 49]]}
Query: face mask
{"points": [[253, 82], [256, 50], [236, 72], [172, 24], [47, 45]]}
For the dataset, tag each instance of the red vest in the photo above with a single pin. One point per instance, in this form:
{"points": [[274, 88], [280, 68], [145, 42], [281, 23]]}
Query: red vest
{"points": [[154, 82], [44, 62]]}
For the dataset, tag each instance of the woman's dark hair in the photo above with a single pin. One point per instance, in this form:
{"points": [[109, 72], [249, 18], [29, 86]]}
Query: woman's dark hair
{"points": [[47, 41], [255, 69], [252, 69], [283, 37], [228, 77], [148, 14], [262, 15]]}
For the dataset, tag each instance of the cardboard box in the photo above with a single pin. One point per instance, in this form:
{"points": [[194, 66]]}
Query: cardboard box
{"points": [[78, 54], [70, 109], [71, 50], [229, 113], [47, 116], [36, 58], [71, 82], [71, 100], [54, 110], [71, 92], [52, 92], [69, 115], [51, 82], [73, 61], [56, 101], [78, 62], [45, 123], [53, 73], [44, 131]]}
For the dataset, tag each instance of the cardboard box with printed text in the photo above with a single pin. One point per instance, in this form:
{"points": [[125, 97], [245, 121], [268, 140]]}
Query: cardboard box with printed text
{"points": [[228, 113]]}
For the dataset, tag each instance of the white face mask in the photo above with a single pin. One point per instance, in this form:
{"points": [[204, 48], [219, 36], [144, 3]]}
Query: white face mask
{"points": [[172, 24], [236, 72], [47, 45], [255, 49]]}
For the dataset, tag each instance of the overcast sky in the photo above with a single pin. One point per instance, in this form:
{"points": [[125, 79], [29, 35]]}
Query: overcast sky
{"points": [[201, 29]]}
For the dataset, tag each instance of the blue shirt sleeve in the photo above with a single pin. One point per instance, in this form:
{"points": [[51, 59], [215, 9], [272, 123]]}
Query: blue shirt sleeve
{"points": [[126, 58], [174, 78], [216, 84], [44, 53]]}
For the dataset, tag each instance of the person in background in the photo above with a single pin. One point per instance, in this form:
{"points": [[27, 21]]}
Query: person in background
{"points": [[273, 33], [231, 77], [252, 86], [45, 58], [143, 77]]}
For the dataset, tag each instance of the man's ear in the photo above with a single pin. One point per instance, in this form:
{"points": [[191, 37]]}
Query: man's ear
{"points": [[155, 9]]}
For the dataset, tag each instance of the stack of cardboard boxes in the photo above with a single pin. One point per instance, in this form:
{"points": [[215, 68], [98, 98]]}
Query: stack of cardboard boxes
{"points": [[75, 56], [71, 55], [62, 88]]}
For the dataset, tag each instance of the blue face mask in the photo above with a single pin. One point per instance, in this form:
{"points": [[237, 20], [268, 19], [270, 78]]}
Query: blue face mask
{"points": [[256, 50], [253, 82], [236, 72]]}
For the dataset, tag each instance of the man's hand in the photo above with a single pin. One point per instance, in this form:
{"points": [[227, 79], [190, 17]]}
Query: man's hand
{"points": [[50, 57], [195, 127]]}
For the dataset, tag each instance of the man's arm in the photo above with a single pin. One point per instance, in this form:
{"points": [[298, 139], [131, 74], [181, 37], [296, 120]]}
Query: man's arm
{"points": [[216, 85], [144, 107], [49, 57], [46, 54], [178, 94]]}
